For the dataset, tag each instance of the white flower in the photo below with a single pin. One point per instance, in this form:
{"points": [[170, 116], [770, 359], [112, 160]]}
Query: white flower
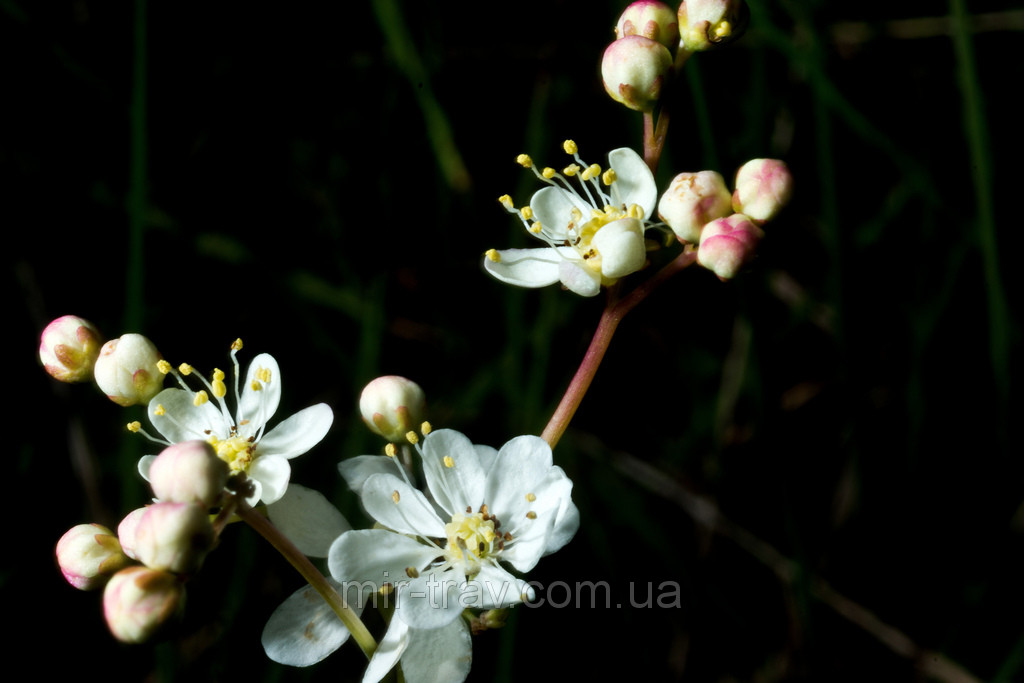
{"points": [[442, 554], [594, 230], [241, 439]]}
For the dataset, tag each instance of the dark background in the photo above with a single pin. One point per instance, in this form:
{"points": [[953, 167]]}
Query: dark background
{"points": [[321, 182]]}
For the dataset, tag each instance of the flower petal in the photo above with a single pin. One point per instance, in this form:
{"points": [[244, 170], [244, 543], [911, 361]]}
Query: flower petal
{"points": [[494, 587], [622, 248], [259, 399], [452, 470], [551, 522], [145, 462], [181, 420], [303, 630], [388, 651], [519, 467], [298, 433], [634, 182], [307, 518], [552, 207], [355, 471], [369, 558], [398, 506], [440, 655], [577, 277], [432, 599], [525, 267], [272, 472]]}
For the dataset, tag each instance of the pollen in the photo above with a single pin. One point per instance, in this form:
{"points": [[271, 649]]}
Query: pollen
{"points": [[570, 147], [395, 497], [548, 173], [592, 172], [531, 515], [530, 497], [263, 375], [412, 438], [134, 427], [608, 177], [163, 366], [159, 410], [200, 398], [524, 160], [449, 461], [219, 389], [526, 212], [493, 256], [571, 170], [256, 386], [506, 201], [535, 228], [390, 450], [426, 428], [185, 369]]}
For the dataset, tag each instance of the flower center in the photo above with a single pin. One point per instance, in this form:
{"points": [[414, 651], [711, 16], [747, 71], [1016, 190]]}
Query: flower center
{"points": [[469, 538], [236, 451]]}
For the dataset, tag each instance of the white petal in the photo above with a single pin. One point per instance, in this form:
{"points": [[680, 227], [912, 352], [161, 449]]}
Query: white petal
{"points": [[388, 651], [411, 513], [303, 630], [355, 471], [183, 421], [550, 525], [145, 462], [622, 248], [431, 600], [578, 278], [494, 587], [486, 455], [452, 470], [256, 406], [634, 182], [520, 466], [440, 655], [525, 267], [552, 207], [298, 433], [272, 472], [308, 519], [369, 558]]}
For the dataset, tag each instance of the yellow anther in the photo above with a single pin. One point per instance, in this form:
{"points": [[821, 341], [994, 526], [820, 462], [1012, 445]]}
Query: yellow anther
{"points": [[548, 173], [236, 345], [412, 572], [185, 369], [412, 438], [256, 386], [387, 588], [535, 228], [134, 427], [530, 497], [426, 428], [571, 170], [395, 497], [635, 211], [449, 461], [531, 515], [493, 255], [570, 147], [526, 212], [608, 177], [723, 30], [576, 215], [163, 366], [506, 201], [263, 375], [159, 410], [218, 375], [524, 160], [592, 172], [201, 398], [219, 389], [390, 450]]}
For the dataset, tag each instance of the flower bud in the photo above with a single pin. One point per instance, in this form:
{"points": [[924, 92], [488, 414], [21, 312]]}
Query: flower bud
{"points": [[88, 555], [621, 246], [189, 472], [173, 536], [704, 24], [634, 68], [138, 601], [69, 347], [692, 201], [392, 406], [126, 370], [763, 187], [728, 244], [126, 532], [650, 19]]}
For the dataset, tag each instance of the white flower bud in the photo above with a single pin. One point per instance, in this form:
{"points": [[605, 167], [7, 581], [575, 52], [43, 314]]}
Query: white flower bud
{"points": [[704, 24], [763, 187], [633, 69], [173, 536], [728, 244], [69, 347], [650, 19], [692, 201], [392, 406], [88, 555], [621, 246], [126, 370], [126, 532], [138, 601], [189, 472]]}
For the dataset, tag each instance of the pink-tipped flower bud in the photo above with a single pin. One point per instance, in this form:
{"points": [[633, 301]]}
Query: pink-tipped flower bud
{"points": [[174, 537], [69, 347], [650, 19], [88, 555], [126, 370], [728, 244], [704, 24], [126, 532], [138, 602], [634, 68], [392, 406], [692, 201], [189, 472], [763, 187]]}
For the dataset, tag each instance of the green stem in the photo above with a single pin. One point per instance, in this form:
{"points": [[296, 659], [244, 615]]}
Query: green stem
{"points": [[614, 312], [311, 574]]}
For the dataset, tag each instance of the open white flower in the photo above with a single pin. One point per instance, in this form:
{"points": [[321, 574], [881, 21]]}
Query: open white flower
{"points": [[594, 230], [241, 438], [442, 554]]}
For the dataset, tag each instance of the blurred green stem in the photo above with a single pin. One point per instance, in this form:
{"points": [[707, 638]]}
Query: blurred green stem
{"points": [[614, 312], [311, 574]]}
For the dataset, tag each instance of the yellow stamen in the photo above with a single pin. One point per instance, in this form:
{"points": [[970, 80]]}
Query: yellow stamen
{"points": [[201, 398], [263, 375], [219, 389], [159, 410], [493, 256], [185, 369], [134, 427], [395, 497], [531, 497], [412, 572], [531, 515], [524, 160], [608, 177], [390, 450], [449, 461], [412, 438], [506, 201], [526, 212], [723, 30], [570, 147], [426, 428], [236, 345], [163, 366], [548, 173], [571, 170], [592, 172], [535, 228]]}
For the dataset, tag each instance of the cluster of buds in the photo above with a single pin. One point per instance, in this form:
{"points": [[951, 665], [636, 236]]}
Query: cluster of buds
{"points": [[143, 569], [652, 40], [727, 227], [125, 369]]}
